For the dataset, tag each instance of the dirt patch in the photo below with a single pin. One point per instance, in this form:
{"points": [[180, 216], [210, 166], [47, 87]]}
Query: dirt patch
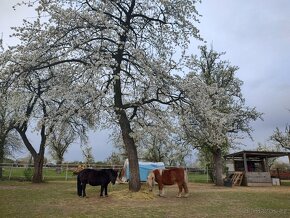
{"points": [[23, 186], [200, 188], [8, 187]]}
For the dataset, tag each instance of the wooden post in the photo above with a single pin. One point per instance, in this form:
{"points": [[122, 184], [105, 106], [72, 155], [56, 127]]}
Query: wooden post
{"points": [[246, 169], [10, 171], [206, 173], [245, 162], [278, 173], [267, 169], [66, 172]]}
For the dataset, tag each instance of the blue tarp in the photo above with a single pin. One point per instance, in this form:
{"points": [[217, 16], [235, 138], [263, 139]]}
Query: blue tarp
{"points": [[144, 169]]}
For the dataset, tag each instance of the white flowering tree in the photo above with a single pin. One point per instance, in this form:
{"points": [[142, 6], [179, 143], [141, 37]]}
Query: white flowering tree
{"points": [[61, 138], [20, 102], [158, 136], [9, 139], [282, 138], [88, 156], [39, 101], [120, 52], [162, 142], [215, 112]]}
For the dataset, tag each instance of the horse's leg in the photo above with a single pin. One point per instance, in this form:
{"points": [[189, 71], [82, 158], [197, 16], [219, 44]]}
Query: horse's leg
{"points": [[79, 186], [84, 189], [106, 190], [102, 190], [185, 189], [161, 190], [180, 190]]}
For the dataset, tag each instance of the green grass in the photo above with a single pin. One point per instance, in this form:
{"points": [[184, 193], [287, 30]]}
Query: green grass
{"points": [[198, 177], [17, 173], [59, 199], [50, 174], [285, 182]]}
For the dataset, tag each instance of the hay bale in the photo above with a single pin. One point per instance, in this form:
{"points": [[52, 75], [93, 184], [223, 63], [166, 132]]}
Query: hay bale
{"points": [[128, 195]]}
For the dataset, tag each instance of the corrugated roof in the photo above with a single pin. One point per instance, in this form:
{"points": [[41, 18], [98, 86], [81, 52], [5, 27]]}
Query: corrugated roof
{"points": [[261, 154]]}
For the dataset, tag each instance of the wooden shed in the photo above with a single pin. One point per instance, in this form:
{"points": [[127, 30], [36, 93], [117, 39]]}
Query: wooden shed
{"points": [[253, 165]]}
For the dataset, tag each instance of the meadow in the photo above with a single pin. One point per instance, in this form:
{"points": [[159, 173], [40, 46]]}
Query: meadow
{"points": [[59, 199], [66, 174]]}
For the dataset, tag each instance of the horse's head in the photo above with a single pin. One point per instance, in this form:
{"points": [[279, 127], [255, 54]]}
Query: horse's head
{"points": [[151, 180], [113, 176], [120, 175]]}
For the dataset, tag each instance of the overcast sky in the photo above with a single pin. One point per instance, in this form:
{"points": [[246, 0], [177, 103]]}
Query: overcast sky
{"points": [[255, 34]]}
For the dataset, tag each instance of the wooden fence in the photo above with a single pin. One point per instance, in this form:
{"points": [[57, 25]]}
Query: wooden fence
{"points": [[68, 171], [281, 174]]}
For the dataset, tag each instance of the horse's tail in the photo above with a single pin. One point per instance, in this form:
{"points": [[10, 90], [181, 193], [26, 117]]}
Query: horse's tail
{"points": [[185, 183], [79, 185], [185, 176]]}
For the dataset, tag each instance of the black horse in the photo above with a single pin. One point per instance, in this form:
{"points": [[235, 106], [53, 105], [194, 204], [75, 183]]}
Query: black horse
{"points": [[95, 177]]}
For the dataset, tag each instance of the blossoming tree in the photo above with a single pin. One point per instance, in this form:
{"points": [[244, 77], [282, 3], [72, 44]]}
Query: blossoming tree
{"points": [[120, 54], [215, 112]]}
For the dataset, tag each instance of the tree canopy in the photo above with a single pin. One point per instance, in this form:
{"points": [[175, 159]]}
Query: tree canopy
{"points": [[214, 111], [113, 59], [111, 64], [282, 138]]}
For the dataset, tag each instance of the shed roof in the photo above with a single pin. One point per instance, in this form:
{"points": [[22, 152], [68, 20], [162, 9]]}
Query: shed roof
{"points": [[257, 154]]}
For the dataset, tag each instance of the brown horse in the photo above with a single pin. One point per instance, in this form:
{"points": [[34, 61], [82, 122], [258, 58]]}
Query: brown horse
{"points": [[168, 177]]}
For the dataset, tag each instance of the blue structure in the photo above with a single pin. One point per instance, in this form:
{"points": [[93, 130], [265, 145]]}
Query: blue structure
{"points": [[144, 169]]}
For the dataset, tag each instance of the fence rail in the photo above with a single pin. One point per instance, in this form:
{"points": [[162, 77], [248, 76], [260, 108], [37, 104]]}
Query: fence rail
{"points": [[280, 173], [50, 171], [67, 171]]}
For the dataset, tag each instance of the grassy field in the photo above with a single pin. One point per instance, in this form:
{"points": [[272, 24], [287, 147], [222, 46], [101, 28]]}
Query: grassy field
{"points": [[50, 174], [59, 199], [18, 173]]}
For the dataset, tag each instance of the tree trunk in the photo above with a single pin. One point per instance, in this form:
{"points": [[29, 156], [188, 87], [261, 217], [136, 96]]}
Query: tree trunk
{"points": [[218, 167], [58, 166], [1, 159], [38, 158], [38, 168], [124, 122], [134, 181], [2, 143]]}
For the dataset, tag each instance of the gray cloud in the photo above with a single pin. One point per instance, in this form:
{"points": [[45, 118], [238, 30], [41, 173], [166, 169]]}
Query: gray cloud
{"points": [[256, 37], [11, 18]]}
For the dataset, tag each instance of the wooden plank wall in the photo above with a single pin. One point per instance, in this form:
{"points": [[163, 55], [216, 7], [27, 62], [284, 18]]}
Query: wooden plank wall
{"points": [[258, 179]]}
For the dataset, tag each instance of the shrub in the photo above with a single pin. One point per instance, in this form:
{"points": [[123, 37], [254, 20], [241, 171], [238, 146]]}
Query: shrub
{"points": [[28, 172]]}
